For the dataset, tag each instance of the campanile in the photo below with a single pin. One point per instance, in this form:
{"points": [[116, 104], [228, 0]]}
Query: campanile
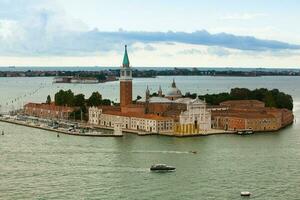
{"points": [[125, 81]]}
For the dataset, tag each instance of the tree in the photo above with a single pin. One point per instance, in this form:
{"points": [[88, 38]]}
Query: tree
{"points": [[271, 98], [79, 100], [189, 95], [106, 102], [240, 93], [59, 98], [154, 94], [138, 97], [95, 99], [64, 98], [48, 101]]}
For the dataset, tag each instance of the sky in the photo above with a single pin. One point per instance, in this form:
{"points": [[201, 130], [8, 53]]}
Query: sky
{"points": [[159, 33]]}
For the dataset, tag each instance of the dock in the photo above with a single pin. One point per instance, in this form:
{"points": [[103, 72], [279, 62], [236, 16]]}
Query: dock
{"points": [[97, 134], [168, 134], [58, 130]]}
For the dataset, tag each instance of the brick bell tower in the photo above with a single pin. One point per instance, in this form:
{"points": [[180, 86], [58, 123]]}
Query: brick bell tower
{"points": [[125, 81]]}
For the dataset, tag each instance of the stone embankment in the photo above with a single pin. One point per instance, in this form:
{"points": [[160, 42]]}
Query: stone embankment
{"points": [[58, 130]]}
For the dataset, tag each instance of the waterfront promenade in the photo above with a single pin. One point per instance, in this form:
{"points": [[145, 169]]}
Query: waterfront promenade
{"points": [[58, 130], [100, 134]]}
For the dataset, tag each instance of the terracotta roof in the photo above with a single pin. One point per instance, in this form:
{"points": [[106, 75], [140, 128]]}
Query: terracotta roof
{"points": [[216, 106], [51, 106], [135, 106], [110, 108], [242, 103], [245, 115]]}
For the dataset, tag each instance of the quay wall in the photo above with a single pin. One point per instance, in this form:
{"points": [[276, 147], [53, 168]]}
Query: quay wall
{"points": [[59, 130]]}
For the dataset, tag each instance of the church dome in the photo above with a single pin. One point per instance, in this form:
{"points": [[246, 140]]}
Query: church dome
{"points": [[174, 91]]}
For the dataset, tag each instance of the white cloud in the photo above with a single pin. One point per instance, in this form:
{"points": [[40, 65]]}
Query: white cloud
{"points": [[163, 55], [243, 16], [39, 33]]}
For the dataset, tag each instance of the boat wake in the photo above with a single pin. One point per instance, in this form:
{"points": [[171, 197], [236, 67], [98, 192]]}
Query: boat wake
{"points": [[167, 152]]}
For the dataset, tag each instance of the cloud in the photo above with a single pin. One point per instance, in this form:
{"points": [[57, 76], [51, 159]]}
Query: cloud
{"points": [[218, 51], [192, 51], [149, 48], [32, 28], [243, 16]]}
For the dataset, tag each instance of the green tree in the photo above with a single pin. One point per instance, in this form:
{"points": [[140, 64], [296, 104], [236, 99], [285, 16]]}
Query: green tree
{"points": [[106, 102], [95, 99], [64, 98], [48, 101], [240, 93], [271, 98], [138, 97], [189, 95], [79, 100], [154, 94]]}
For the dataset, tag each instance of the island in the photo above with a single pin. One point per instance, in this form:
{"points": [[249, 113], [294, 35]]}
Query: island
{"points": [[170, 113]]}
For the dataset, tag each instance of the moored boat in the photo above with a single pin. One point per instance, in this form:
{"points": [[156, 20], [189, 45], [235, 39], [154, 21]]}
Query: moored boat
{"points": [[245, 132]]}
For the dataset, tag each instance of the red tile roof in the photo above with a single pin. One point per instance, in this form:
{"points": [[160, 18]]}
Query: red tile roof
{"points": [[243, 114], [51, 106]]}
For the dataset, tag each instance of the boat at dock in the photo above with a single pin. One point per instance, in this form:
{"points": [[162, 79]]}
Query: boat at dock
{"points": [[162, 168], [245, 132]]}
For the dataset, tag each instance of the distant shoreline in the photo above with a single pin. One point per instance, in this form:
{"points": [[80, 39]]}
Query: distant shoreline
{"points": [[110, 74]]}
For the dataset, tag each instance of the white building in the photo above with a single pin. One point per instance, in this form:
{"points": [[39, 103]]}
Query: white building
{"points": [[130, 121], [196, 119]]}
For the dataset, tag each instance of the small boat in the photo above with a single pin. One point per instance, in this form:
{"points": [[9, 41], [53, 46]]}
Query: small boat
{"points": [[245, 194], [194, 152], [162, 167], [240, 132], [245, 132]]}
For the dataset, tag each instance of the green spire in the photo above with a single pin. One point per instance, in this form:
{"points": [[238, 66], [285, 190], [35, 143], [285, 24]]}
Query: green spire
{"points": [[125, 59]]}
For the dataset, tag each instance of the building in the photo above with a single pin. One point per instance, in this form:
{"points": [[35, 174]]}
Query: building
{"points": [[132, 116], [169, 114], [48, 111], [174, 93], [250, 115], [125, 82], [243, 104], [195, 120], [130, 121], [236, 120]]}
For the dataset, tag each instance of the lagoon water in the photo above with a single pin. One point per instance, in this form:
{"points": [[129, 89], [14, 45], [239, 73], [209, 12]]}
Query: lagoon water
{"points": [[35, 164]]}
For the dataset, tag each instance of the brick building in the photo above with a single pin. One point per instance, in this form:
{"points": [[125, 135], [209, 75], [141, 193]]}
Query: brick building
{"points": [[48, 111], [250, 115]]}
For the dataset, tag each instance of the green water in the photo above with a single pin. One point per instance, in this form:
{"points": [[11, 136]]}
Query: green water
{"points": [[35, 164]]}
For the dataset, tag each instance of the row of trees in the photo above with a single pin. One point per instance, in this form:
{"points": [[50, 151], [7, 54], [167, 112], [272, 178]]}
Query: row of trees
{"points": [[68, 98], [272, 98]]}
